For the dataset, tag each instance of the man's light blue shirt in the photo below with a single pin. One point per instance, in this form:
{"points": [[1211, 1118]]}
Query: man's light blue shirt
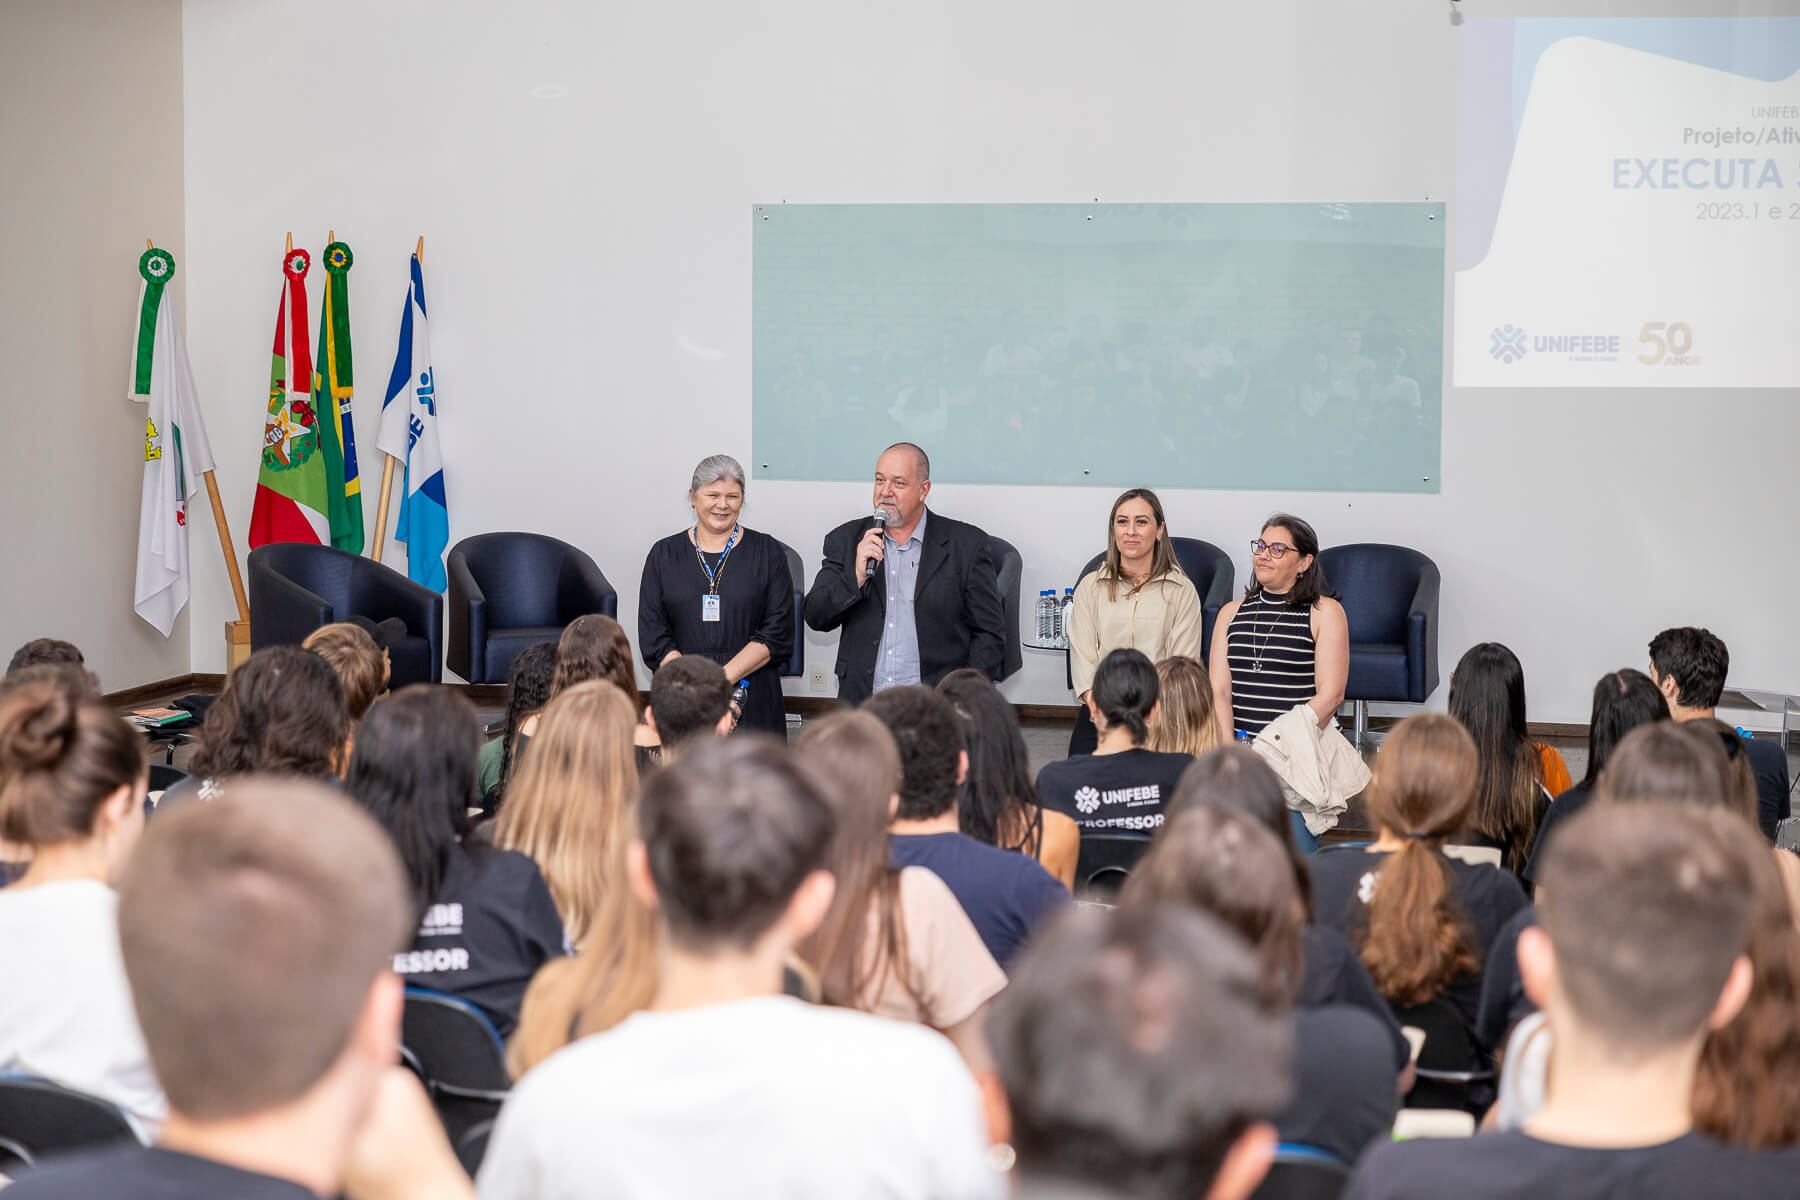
{"points": [[897, 658]]}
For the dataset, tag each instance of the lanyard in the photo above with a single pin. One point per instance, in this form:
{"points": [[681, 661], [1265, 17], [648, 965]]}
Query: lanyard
{"points": [[712, 576]]}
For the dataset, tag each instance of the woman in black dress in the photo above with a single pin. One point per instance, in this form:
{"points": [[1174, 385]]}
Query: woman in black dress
{"points": [[722, 591]]}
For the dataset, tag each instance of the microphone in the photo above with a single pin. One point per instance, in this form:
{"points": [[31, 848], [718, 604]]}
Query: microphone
{"points": [[882, 517]]}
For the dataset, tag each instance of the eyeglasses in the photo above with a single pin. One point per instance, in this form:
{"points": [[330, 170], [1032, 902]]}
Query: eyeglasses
{"points": [[1273, 549]]}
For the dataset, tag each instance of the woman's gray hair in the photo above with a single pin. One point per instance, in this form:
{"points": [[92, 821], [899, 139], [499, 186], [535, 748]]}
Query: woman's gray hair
{"points": [[716, 467]]}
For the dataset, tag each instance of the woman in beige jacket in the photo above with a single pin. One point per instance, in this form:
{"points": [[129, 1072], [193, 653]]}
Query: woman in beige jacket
{"points": [[1138, 599]]}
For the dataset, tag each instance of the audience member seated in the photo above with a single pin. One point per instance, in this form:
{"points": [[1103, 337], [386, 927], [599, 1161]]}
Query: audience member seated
{"points": [[1753, 1094], [1422, 923], [895, 941], [1515, 777], [1122, 786], [1184, 721], [1004, 894], [1689, 666], [782, 1098], [1137, 1060], [52, 652], [1346, 1069], [1748, 1092], [485, 921], [273, 1031], [595, 647], [1623, 700], [690, 699], [1237, 778], [282, 713], [72, 783], [361, 665], [1640, 954], [42, 661], [566, 807], [999, 803], [527, 691]]}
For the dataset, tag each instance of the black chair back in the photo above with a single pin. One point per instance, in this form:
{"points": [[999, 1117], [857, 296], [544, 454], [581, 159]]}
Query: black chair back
{"points": [[39, 1118], [1105, 860], [458, 1056], [1010, 568], [1207, 567], [796, 663], [1452, 1071], [471, 1147], [1301, 1173], [163, 777]]}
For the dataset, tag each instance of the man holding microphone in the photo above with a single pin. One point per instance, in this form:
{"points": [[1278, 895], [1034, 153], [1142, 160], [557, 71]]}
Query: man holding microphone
{"points": [[915, 592]]}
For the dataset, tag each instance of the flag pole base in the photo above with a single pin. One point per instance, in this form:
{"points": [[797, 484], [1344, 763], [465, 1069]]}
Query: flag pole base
{"points": [[237, 644]]}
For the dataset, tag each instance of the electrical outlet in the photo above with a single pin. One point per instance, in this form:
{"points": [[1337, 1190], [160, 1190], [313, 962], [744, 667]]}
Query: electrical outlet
{"points": [[818, 679]]}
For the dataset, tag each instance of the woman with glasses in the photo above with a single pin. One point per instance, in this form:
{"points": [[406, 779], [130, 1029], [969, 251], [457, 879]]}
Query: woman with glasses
{"points": [[1138, 599], [1286, 642]]}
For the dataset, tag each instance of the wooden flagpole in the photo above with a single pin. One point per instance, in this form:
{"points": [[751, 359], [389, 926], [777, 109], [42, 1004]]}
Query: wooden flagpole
{"points": [[387, 464], [223, 528]]}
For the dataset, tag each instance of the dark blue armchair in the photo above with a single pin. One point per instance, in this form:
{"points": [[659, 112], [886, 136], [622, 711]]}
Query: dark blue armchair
{"points": [[1010, 568], [1207, 567], [296, 587], [513, 590], [1390, 599]]}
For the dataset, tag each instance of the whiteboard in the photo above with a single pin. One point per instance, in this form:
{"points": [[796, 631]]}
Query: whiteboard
{"points": [[1228, 346]]}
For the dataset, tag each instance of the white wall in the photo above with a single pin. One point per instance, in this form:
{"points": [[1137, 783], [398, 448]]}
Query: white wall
{"points": [[583, 176], [90, 165]]}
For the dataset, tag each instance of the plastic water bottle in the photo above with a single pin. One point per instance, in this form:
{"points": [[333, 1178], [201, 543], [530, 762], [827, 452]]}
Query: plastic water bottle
{"points": [[738, 695], [1046, 615], [1068, 610]]}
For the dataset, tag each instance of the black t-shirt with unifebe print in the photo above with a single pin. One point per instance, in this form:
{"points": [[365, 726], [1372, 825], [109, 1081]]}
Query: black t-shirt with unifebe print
{"points": [[1113, 793]]}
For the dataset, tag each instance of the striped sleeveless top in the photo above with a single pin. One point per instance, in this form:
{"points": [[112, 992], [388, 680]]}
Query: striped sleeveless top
{"points": [[1269, 646]]}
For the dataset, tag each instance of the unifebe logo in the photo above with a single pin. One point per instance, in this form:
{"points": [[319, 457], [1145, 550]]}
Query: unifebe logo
{"points": [[1087, 800], [1507, 343]]}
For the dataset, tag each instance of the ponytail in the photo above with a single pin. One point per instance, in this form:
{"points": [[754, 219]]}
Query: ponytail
{"points": [[1415, 940], [61, 755], [1125, 690]]}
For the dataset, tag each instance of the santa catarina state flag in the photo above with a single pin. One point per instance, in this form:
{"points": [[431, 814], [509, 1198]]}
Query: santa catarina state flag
{"points": [[332, 389], [293, 495]]}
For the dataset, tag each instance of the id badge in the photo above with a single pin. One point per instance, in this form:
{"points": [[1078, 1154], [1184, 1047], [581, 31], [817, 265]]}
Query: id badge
{"points": [[709, 607]]}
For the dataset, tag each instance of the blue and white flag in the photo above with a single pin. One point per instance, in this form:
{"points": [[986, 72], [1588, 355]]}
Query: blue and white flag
{"points": [[409, 431]]}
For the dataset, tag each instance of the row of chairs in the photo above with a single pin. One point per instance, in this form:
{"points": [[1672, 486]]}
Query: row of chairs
{"points": [[510, 590]]}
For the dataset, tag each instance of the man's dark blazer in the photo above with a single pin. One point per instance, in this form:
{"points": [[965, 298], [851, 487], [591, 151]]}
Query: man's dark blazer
{"points": [[956, 605]]}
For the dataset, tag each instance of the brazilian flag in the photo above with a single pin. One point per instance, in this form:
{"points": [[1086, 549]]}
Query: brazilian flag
{"points": [[332, 387]]}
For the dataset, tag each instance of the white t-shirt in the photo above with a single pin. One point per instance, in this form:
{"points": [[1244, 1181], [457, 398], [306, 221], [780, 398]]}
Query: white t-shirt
{"points": [[65, 1006], [762, 1099]]}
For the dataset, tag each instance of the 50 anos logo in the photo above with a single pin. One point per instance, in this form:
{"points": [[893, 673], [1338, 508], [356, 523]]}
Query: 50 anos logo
{"points": [[1667, 344]]}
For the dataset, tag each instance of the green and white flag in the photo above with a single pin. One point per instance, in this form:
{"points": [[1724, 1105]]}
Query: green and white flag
{"points": [[155, 268], [176, 455]]}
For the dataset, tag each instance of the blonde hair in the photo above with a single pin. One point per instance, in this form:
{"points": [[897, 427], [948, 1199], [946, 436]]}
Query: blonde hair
{"points": [[1183, 722], [613, 975], [566, 805]]}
